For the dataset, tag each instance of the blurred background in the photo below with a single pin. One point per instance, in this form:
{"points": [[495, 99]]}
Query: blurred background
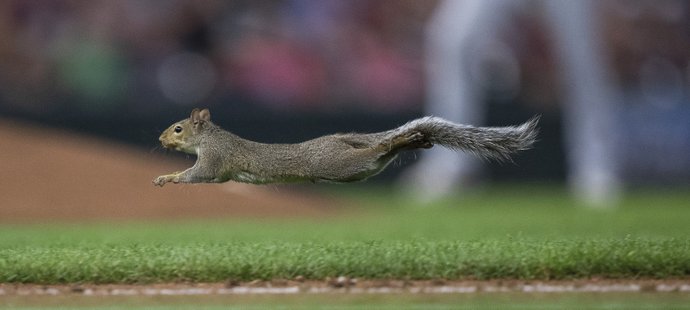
{"points": [[289, 70]]}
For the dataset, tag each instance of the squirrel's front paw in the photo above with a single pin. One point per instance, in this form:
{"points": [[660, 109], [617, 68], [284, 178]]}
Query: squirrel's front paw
{"points": [[161, 180]]}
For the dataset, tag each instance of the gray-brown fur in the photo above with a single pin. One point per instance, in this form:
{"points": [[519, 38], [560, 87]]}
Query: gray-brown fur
{"points": [[223, 156], [496, 143]]}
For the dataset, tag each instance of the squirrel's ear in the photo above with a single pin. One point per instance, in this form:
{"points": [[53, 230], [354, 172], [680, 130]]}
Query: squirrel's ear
{"points": [[205, 115], [195, 114]]}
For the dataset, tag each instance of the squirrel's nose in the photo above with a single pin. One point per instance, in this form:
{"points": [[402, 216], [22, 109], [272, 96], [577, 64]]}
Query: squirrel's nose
{"points": [[162, 140]]}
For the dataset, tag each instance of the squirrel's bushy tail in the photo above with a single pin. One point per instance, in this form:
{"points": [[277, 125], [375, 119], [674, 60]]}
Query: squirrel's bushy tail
{"points": [[496, 143]]}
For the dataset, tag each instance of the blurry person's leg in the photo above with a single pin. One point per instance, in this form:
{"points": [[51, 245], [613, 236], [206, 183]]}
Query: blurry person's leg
{"points": [[589, 101], [454, 30]]}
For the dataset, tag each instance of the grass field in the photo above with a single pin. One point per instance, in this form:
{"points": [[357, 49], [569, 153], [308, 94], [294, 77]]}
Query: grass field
{"points": [[532, 232]]}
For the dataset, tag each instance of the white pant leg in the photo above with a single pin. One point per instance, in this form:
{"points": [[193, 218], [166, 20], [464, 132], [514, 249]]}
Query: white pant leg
{"points": [[455, 27], [590, 99]]}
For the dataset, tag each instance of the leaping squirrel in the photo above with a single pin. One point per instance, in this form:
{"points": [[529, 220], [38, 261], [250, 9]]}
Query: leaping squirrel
{"points": [[350, 157]]}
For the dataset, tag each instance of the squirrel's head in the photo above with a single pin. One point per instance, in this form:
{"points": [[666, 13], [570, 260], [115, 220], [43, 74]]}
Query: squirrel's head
{"points": [[183, 135]]}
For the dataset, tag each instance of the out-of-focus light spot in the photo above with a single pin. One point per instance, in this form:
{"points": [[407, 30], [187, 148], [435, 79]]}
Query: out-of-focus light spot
{"points": [[497, 69], [661, 83], [186, 78]]}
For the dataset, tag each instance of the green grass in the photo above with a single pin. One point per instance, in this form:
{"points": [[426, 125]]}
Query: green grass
{"points": [[526, 233], [415, 259]]}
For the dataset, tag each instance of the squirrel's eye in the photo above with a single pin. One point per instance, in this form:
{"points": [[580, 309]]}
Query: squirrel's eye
{"points": [[178, 129]]}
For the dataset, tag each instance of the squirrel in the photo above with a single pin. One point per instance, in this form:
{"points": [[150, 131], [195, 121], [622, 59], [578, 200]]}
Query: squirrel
{"points": [[348, 157]]}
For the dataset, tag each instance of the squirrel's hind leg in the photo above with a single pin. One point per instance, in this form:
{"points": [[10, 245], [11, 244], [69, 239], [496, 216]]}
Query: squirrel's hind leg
{"points": [[373, 160], [408, 141]]}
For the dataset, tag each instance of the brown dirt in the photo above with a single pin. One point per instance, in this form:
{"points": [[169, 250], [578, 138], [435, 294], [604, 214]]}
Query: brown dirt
{"points": [[355, 286], [48, 175]]}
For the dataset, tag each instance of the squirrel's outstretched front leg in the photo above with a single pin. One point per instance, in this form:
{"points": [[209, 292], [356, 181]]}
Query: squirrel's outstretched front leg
{"points": [[161, 180], [195, 174]]}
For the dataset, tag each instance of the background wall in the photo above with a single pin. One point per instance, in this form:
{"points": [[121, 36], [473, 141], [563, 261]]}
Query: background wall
{"points": [[284, 71]]}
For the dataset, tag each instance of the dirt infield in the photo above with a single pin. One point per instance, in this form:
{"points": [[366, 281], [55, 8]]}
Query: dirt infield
{"points": [[50, 175], [352, 286]]}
